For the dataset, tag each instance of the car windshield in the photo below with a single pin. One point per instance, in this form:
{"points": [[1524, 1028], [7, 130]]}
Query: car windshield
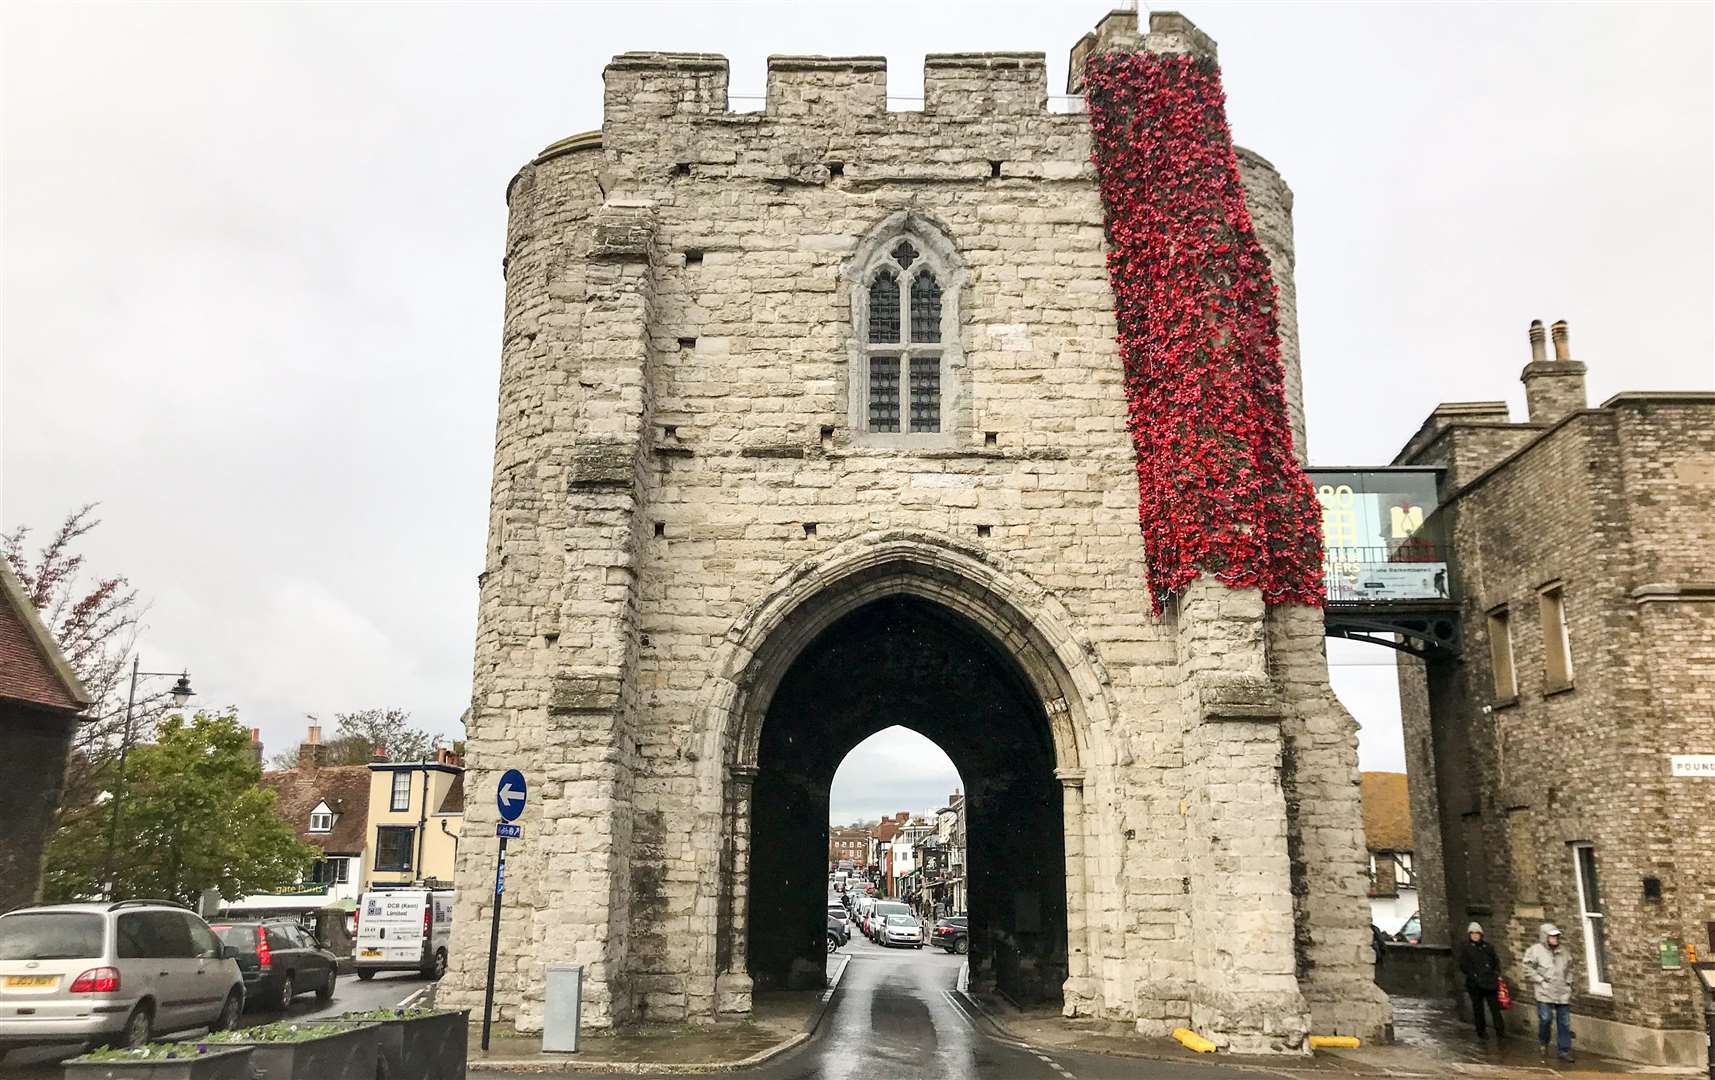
{"points": [[901, 920], [50, 935]]}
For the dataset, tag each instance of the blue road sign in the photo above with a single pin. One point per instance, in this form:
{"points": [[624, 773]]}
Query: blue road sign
{"points": [[510, 795], [510, 832]]}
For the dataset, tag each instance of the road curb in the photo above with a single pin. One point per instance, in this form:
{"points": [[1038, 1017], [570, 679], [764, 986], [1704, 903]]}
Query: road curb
{"points": [[662, 1068]]}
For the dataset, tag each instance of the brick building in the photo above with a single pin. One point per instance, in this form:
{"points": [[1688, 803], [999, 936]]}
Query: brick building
{"points": [[849, 845], [1545, 784], [40, 702], [811, 418]]}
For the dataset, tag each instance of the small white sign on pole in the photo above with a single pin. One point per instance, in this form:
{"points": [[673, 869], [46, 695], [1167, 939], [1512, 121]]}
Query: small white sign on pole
{"points": [[1694, 765]]}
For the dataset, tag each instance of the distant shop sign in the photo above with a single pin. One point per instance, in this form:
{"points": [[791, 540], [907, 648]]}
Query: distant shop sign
{"points": [[1694, 765]]}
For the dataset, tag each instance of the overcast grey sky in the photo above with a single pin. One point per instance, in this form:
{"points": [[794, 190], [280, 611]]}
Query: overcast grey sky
{"points": [[251, 284]]}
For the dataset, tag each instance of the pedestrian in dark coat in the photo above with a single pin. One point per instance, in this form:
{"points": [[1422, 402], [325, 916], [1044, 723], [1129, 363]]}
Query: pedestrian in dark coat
{"points": [[1482, 970]]}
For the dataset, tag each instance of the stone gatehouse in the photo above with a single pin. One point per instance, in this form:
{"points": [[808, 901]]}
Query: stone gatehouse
{"points": [[811, 423]]}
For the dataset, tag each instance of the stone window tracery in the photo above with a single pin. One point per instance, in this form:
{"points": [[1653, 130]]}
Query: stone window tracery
{"points": [[905, 318]]}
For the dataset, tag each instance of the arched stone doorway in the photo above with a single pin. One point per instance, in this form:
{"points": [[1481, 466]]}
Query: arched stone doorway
{"points": [[913, 662], [787, 709]]}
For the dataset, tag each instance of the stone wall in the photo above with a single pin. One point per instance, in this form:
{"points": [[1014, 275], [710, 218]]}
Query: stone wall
{"points": [[679, 492]]}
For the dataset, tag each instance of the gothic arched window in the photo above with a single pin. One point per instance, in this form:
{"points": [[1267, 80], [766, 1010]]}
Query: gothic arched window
{"points": [[906, 330]]}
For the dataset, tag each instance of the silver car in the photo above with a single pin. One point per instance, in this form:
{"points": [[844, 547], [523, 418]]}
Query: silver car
{"points": [[902, 930], [115, 973]]}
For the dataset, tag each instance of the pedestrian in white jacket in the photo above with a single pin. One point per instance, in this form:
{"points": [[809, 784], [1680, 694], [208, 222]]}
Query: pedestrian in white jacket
{"points": [[1548, 969]]}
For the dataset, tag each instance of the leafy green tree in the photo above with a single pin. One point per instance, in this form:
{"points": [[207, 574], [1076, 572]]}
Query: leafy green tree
{"points": [[194, 817]]}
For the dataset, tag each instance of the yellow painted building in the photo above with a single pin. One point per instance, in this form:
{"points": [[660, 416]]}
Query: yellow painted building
{"points": [[416, 809]]}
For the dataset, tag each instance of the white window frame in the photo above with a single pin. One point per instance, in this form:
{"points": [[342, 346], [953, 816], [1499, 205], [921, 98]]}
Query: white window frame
{"points": [[393, 796], [935, 254], [1588, 922], [321, 819]]}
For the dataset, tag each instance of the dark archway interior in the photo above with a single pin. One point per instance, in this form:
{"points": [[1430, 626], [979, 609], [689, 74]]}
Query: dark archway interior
{"points": [[908, 662]]}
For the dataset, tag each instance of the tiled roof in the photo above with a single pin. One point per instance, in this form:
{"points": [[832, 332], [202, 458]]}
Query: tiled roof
{"points": [[1387, 811], [31, 667], [345, 788], [453, 801]]}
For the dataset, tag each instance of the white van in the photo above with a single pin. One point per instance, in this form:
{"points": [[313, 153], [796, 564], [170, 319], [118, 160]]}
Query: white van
{"points": [[403, 930]]}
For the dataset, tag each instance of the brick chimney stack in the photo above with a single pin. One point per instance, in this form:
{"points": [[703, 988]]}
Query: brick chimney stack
{"points": [[311, 752], [1553, 389]]}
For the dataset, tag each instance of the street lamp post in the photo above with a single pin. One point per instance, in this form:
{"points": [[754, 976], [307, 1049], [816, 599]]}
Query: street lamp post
{"points": [[180, 693]]}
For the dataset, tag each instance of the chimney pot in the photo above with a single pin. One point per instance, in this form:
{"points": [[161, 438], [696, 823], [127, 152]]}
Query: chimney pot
{"points": [[1562, 340], [1538, 342]]}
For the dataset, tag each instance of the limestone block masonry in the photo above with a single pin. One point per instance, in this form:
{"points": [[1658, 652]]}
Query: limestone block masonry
{"points": [[684, 492]]}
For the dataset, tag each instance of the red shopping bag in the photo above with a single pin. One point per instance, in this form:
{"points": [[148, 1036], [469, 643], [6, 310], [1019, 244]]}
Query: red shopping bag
{"points": [[1505, 993]]}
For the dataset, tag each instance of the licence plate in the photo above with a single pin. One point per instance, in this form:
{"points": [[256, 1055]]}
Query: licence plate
{"points": [[370, 952], [32, 982]]}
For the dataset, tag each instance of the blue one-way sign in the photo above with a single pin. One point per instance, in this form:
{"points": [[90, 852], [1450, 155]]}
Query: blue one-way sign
{"points": [[510, 795]]}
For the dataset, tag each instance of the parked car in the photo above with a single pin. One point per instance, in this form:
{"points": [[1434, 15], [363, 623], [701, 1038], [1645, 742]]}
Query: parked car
{"points": [[279, 960], [403, 930], [952, 933], [1412, 931], [902, 930], [836, 936], [838, 919], [117, 974], [878, 917]]}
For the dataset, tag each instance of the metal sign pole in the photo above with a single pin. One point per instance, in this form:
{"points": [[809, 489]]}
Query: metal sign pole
{"points": [[493, 944]]}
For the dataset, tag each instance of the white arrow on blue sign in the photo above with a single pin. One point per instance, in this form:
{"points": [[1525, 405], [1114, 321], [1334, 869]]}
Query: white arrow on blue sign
{"points": [[510, 795]]}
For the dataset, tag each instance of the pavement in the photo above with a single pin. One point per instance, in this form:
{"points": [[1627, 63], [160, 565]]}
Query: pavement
{"points": [[898, 1014], [350, 995]]}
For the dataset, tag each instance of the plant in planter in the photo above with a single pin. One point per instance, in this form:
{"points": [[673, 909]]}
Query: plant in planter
{"points": [[418, 1044], [307, 1051], [163, 1061]]}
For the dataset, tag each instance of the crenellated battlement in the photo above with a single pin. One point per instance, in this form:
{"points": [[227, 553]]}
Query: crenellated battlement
{"points": [[655, 85], [966, 84], [812, 86]]}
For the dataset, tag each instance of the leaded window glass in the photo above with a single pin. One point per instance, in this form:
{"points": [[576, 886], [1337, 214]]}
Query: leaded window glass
{"points": [[884, 309], [925, 393], [899, 306], [884, 393], [925, 308]]}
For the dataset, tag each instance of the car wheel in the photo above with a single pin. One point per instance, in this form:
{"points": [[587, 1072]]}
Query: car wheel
{"points": [[324, 992], [365, 976], [287, 992], [229, 1011], [437, 967], [961, 946], [833, 943], [138, 1027]]}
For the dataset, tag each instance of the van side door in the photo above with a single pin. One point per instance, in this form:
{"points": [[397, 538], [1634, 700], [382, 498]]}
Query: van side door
{"points": [[212, 977]]}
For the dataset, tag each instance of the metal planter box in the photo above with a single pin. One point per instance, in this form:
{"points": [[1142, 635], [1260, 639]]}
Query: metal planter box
{"points": [[431, 1047], [349, 1055], [224, 1063]]}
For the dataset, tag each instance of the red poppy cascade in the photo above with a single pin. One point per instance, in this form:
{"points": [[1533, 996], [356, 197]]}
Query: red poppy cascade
{"points": [[1219, 490]]}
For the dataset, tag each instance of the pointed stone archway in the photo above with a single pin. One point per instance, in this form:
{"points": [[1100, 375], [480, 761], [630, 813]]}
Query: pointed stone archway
{"points": [[894, 599]]}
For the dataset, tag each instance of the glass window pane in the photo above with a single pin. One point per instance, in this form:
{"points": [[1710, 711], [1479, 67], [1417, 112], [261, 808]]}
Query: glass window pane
{"points": [[401, 790], [925, 393], [884, 393], [1587, 871], [925, 308], [50, 936], [884, 309]]}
